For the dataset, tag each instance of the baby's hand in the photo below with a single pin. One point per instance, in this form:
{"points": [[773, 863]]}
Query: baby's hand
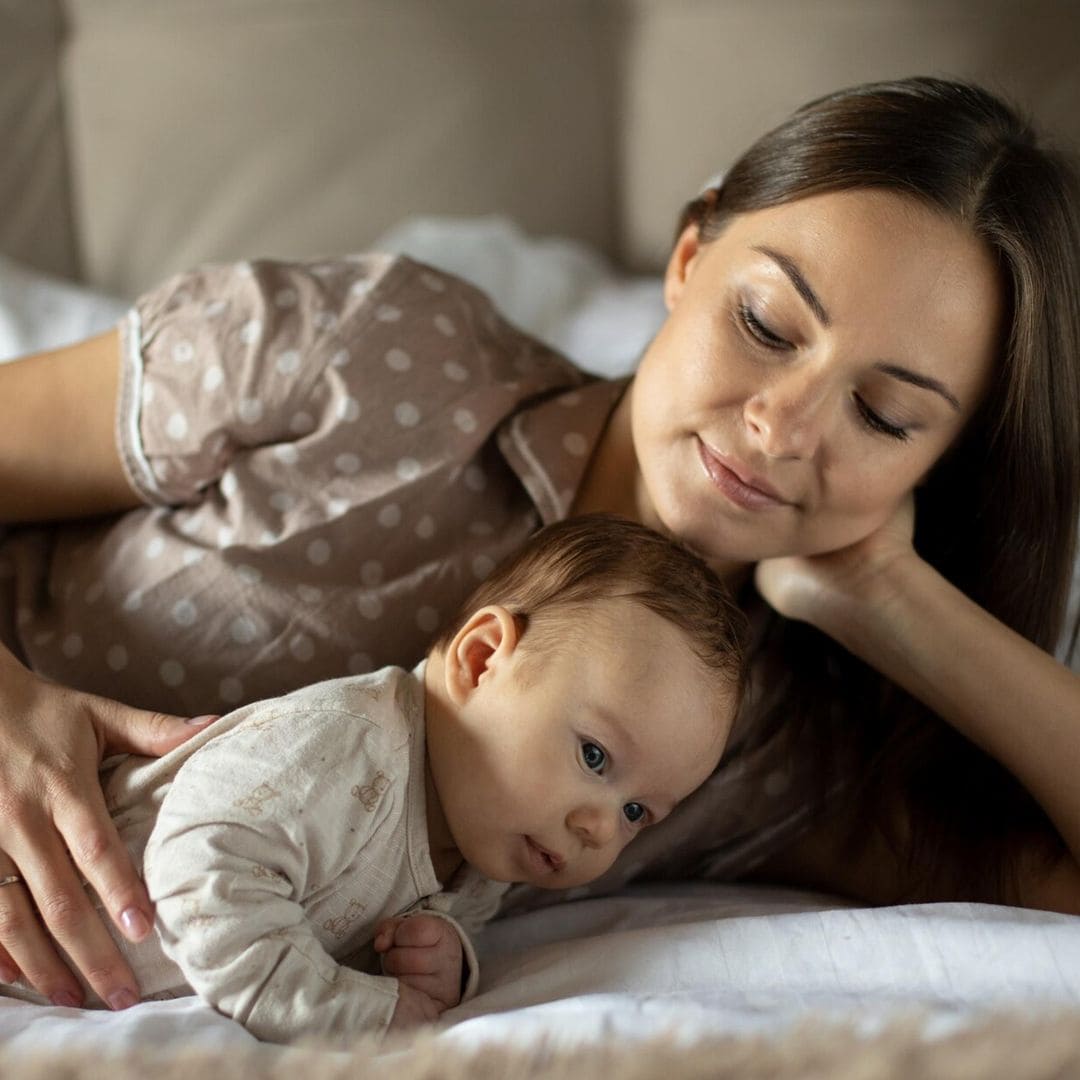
{"points": [[413, 1007], [424, 953]]}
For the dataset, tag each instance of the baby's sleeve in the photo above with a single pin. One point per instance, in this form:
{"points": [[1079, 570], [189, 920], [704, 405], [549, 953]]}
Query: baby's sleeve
{"points": [[227, 865], [230, 357]]}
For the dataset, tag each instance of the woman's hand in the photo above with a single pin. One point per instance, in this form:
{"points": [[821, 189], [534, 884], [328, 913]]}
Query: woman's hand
{"points": [[815, 589], [56, 834]]}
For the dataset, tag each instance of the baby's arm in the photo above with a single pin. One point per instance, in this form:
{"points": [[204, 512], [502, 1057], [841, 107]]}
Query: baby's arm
{"points": [[229, 864]]}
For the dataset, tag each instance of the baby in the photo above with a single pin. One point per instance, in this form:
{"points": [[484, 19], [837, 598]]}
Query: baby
{"points": [[319, 860]]}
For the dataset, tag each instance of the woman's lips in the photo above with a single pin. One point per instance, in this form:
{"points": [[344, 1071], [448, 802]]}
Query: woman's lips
{"points": [[749, 492]]}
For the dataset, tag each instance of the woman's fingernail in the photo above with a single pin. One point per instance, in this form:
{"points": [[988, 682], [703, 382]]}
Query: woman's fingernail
{"points": [[65, 999], [201, 721], [135, 923], [122, 999]]}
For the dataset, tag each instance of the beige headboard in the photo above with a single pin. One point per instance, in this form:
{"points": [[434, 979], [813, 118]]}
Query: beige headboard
{"points": [[143, 136]]}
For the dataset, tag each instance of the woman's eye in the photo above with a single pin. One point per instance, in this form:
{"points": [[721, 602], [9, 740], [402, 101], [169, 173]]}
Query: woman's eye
{"points": [[876, 422], [634, 812], [593, 756], [757, 329]]}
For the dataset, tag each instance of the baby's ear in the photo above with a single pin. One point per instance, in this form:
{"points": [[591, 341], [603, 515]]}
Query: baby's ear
{"points": [[486, 639]]}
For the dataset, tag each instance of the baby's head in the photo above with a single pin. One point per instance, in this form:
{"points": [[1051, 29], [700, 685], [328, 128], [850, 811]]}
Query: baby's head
{"points": [[588, 686]]}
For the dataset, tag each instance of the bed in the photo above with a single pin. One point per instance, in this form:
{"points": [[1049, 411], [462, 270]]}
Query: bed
{"points": [[540, 148]]}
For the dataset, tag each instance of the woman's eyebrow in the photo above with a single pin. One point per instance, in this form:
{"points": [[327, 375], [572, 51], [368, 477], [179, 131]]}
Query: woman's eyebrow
{"points": [[802, 287], [923, 381]]}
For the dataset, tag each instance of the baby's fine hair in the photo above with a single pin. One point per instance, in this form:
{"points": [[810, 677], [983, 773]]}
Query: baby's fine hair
{"points": [[601, 556]]}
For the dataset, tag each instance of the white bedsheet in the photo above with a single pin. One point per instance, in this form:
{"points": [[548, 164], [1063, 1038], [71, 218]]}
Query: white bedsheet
{"points": [[690, 958], [693, 958]]}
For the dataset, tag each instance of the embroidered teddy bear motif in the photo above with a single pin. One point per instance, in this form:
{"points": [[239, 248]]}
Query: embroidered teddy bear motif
{"points": [[253, 802], [369, 793], [339, 925]]}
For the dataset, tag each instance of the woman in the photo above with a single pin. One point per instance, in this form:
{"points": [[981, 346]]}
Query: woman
{"points": [[864, 402]]}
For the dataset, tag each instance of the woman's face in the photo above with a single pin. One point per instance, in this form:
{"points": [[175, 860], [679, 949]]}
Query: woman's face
{"points": [[818, 359]]}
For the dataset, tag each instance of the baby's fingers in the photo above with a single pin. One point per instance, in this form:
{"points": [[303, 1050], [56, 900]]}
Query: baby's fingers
{"points": [[421, 931]]}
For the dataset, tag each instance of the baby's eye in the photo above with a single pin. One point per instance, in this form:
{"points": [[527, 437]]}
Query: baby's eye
{"points": [[593, 756], [634, 812]]}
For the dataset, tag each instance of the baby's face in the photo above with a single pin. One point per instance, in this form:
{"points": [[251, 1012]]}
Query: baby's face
{"points": [[555, 773]]}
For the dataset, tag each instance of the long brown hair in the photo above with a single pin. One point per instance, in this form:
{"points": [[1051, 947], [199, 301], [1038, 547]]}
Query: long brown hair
{"points": [[998, 514]]}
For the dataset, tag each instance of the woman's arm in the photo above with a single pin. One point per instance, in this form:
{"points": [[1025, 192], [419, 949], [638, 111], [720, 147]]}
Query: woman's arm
{"points": [[58, 451], [59, 460], [1008, 696]]}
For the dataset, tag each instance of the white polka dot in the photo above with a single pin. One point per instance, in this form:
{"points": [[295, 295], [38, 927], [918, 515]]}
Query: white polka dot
{"points": [[575, 443], [225, 536], [309, 594], [347, 464], [349, 410], [445, 325], [570, 400], [231, 690], [389, 516], [454, 371], [250, 331], [185, 613], [189, 525], [72, 646], [324, 320], [302, 647], [193, 556], [398, 360], [433, 281], [285, 298], [337, 507], [286, 453], [94, 593], [475, 480], [117, 657], [360, 663], [268, 538], [177, 426], [42, 639], [282, 501], [148, 393], [387, 313], [427, 618], [408, 470], [369, 605], [155, 547], [360, 288], [319, 552], [243, 630], [482, 565], [301, 423], [288, 363], [371, 572], [183, 352], [776, 783], [172, 672], [249, 575], [228, 484], [133, 600], [465, 421], [481, 528], [250, 410], [425, 527], [340, 358], [407, 414]]}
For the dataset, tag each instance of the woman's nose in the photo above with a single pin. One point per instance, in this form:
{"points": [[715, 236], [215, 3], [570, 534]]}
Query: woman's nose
{"points": [[595, 825], [789, 417]]}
